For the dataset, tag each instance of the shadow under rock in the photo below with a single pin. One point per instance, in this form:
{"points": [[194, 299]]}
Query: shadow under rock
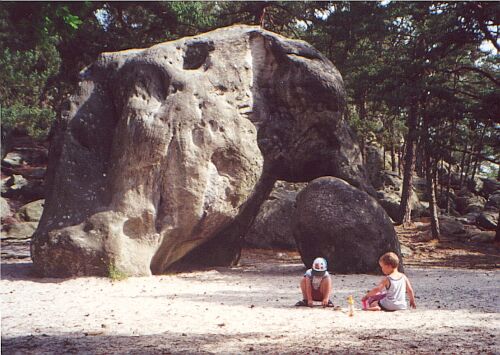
{"points": [[24, 271]]}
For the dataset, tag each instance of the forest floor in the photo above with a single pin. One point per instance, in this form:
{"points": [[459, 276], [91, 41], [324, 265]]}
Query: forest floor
{"points": [[250, 308]]}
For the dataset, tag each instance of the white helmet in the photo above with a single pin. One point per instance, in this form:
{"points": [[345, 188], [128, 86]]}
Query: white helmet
{"points": [[319, 266]]}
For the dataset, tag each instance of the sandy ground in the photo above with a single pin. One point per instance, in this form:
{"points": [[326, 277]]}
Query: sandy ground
{"points": [[248, 308]]}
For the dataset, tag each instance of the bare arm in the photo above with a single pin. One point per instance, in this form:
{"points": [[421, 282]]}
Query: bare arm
{"points": [[411, 294], [309, 292], [377, 289]]}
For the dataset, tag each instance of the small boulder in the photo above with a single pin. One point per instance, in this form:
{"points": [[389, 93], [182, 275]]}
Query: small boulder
{"points": [[390, 201], [344, 225], [487, 220], [483, 237], [470, 203], [19, 231], [13, 160], [493, 202], [392, 180], [4, 208], [451, 227], [475, 185], [490, 186], [31, 212]]}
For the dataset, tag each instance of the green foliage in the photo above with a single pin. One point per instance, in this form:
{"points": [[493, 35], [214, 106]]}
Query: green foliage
{"points": [[24, 74], [393, 57], [35, 120]]}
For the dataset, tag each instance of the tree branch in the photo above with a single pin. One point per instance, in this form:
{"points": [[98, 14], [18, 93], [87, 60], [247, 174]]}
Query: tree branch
{"points": [[477, 70]]}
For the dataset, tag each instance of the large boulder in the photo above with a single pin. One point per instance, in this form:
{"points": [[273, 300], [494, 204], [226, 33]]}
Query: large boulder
{"points": [[163, 158], [344, 225], [273, 226]]}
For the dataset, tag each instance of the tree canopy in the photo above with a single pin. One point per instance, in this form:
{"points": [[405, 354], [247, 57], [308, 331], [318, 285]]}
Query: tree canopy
{"points": [[415, 72]]}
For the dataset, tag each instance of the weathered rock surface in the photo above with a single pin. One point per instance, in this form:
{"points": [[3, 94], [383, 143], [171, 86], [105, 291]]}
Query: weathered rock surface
{"points": [[22, 230], [4, 208], [487, 220], [273, 226], [452, 227], [489, 186], [165, 155], [493, 203], [31, 212], [390, 201], [344, 225], [470, 203]]}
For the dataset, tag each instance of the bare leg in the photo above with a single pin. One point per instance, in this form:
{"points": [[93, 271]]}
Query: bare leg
{"points": [[303, 288], [326, 288], [306, 287], [373, 306]]}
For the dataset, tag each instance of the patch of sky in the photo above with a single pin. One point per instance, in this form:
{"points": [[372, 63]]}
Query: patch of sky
{"points": [[103, 17]]}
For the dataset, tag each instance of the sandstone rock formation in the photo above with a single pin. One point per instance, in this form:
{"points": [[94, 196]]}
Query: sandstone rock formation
{"points": [[344, 225], [272, 228], [165, 155]]}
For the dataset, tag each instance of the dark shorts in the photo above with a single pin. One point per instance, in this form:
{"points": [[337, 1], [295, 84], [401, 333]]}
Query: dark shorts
{"points": [[316, 295], [383, 308]]}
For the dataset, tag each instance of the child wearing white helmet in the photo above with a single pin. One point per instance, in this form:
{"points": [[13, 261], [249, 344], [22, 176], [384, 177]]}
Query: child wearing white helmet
{"points": [[316, 285]]}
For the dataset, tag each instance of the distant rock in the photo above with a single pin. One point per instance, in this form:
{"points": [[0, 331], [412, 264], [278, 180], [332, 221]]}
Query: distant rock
{"points": [[487, 220], [31, 212], [489, 186], [470, 203], [23, 230], [4, 208], [450, 226], [391, 200], [493, 202], [344, 225], [13, 159], [374, 164], [483, 237]]}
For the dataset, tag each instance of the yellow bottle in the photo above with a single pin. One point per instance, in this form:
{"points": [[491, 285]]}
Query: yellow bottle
{"points": [[350, 301]]}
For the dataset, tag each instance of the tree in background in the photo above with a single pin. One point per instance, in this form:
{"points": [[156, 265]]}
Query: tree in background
{"points": [[414, 72]]}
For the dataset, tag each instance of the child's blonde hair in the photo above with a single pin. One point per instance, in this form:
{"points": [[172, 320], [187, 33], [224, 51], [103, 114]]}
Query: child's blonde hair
{"points": [[390, 259]]}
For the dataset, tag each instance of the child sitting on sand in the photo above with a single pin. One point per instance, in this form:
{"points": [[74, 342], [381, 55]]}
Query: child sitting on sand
{"points": [[316, 285], [389, 295]]}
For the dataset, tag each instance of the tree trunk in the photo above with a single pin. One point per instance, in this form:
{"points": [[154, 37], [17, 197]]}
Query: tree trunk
{"points": [[467, 169], [440, 177], [478, 154], [497, 235], [418, 159], [401, 152], [462, 165], [409, 166], [383, 157], [393, 158], [429, 174], [448, 182], [431, 190]]}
